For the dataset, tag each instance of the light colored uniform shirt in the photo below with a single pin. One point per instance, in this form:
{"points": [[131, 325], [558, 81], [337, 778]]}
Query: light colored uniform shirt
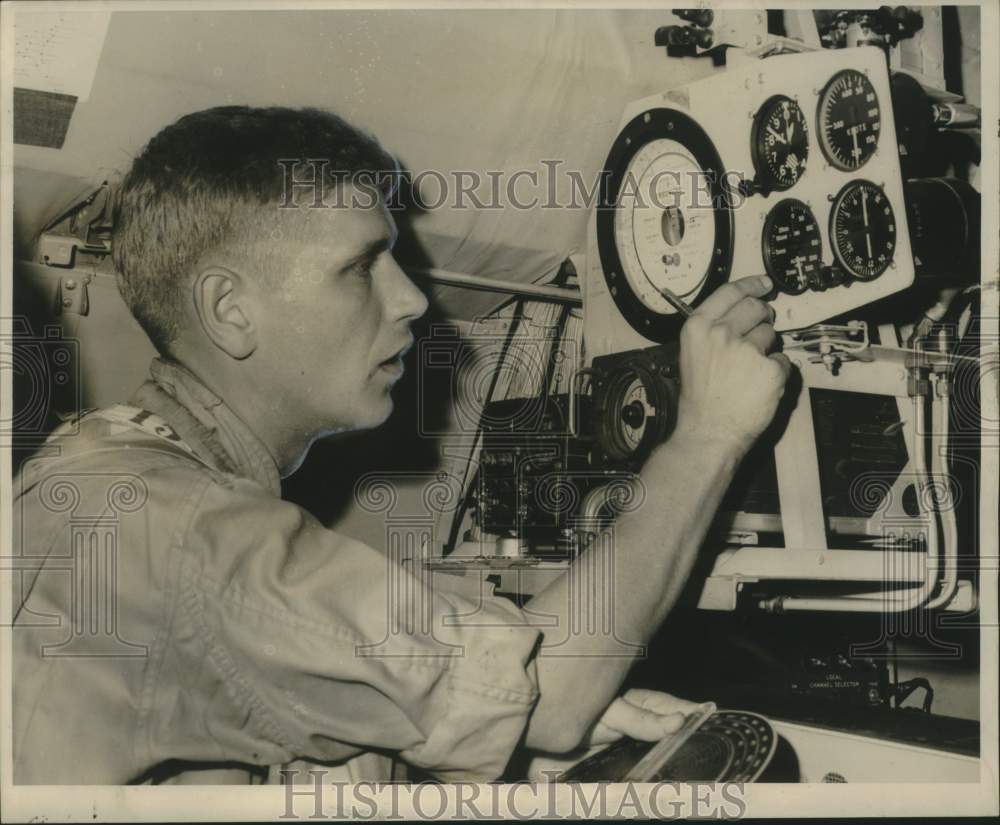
{"points": [[171, 609]]}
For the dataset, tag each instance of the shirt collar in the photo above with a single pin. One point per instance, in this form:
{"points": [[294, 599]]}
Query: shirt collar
{"points": [[206, 424]]}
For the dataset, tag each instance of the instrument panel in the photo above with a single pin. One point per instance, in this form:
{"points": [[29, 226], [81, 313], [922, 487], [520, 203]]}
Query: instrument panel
{"points": [[787, 166]]}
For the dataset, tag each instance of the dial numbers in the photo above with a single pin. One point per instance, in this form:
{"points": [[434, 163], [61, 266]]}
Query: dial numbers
{"points": [[863, 230], [664, 220], [791, 246], [780, 143], [849, 120], [664, 225]]}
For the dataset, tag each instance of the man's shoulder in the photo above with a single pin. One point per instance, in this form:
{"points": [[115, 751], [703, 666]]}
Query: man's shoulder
{"points": [[100, 444]]}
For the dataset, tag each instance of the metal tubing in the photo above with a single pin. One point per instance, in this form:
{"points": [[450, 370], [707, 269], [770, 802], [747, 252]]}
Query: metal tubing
{"points": [[538, 292]]}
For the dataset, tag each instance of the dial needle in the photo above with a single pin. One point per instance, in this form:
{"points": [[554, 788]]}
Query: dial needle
{"points": [[777, 136], [864, 215]]}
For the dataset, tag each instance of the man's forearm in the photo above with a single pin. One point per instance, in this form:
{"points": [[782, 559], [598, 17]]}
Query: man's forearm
{"points": [[652, 551]]}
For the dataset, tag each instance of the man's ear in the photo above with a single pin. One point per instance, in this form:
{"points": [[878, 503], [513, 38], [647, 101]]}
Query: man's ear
{"points": [[222, 305]]}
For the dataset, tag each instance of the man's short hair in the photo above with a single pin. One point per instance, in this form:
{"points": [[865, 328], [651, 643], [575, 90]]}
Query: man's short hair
{"points": [[200, 185]]}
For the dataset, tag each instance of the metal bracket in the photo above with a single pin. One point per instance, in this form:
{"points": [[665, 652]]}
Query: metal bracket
{"points": [[86, 226], [829, 344], [72, 296]]}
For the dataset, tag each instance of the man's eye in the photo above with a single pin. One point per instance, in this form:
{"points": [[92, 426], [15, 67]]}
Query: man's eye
{"points": [[365, 268]]}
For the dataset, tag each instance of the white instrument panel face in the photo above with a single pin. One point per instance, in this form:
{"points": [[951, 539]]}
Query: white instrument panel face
{"points": [[843, 258], [663, 238]]}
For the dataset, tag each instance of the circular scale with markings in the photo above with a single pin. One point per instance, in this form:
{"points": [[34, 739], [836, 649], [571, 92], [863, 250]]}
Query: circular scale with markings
{"points": [[636, 409], [730, 746], [779, 145], [792, 247], [863, 230], [664, 220], [849, 120]]}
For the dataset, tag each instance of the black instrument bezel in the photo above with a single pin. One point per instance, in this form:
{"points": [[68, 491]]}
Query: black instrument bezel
{"points": [[765, 248], [821, 135], [758, 148], [835, 207], [643, 129]]}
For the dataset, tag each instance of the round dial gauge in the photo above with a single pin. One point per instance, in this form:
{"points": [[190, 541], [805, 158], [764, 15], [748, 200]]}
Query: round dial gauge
{"points": [[863, 230], [664, 237], [635, 410], [791, 246], [637, 413], [849, 120], [780, 144], [664, 220]]}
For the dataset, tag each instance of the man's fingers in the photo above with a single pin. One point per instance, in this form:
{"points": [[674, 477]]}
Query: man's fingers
{"points": [[782, 361], [641, 723], [746, 315], [660, 702], [763, 337], [728, 295]]}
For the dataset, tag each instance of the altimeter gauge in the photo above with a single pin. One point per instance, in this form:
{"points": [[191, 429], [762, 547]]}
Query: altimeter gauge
{"points": [[792, 247]]}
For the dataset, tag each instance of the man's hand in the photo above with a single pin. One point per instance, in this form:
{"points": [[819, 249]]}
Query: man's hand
{"points": [[648, 715], [731, 381], [642, 714]]}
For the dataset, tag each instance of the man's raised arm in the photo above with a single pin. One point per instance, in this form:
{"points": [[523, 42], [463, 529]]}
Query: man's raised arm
{"points": [[730, 388]]}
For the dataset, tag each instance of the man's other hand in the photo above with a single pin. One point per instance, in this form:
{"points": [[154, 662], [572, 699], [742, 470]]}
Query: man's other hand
{"points": [[642, 714], [647, 715], [731, 378]]}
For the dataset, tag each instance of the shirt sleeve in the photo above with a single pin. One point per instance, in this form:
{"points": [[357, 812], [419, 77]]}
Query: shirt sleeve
{"points": [[292, 641]]}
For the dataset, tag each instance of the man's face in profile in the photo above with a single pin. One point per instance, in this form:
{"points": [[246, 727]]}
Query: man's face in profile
{"points": [[334, 320]]}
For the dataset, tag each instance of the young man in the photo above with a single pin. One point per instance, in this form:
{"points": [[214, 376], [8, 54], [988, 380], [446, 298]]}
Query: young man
{"points": [[235, 632]]}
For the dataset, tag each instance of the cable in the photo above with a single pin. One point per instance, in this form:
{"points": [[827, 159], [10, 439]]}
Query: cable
{"points": [[946, 508], [543, 392], [456, 523]]}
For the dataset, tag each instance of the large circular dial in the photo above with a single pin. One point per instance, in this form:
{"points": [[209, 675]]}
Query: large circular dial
{"points": [[863, 230], [849, 120], [663, 221], [780, 143], [663, 237], [791, 246]]}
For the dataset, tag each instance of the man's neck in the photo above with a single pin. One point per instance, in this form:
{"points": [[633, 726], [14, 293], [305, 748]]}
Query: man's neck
{"points": [[286, 440]]}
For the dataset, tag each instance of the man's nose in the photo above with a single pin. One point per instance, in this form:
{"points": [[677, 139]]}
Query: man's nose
{"points": [[406, 300]]}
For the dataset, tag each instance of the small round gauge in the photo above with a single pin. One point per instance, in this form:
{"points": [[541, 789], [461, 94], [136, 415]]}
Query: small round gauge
{"points": [[863, 230], [791, 246], [664, 220], [849, 120], [635, 409], [637, 412], [779, 143]]}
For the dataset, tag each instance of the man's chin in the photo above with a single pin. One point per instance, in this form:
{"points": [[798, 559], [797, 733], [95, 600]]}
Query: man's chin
{"points": [[371, 419]]}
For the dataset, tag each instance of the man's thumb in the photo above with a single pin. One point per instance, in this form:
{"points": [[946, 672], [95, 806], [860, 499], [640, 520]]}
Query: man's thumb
{"points": [[640, 723]]}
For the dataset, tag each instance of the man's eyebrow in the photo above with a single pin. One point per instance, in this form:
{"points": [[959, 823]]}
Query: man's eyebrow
{"points": [[372, 250]]}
